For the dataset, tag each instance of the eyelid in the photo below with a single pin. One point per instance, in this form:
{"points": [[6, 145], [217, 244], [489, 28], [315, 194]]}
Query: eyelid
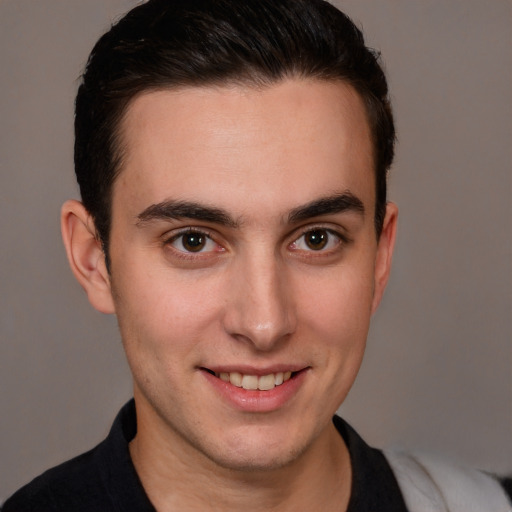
{"points": [[338, 232], [335, 232], [170, 237], [175, 233]]}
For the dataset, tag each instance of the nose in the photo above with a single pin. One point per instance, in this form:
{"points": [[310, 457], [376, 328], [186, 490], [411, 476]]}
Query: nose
{"points": [[260, 309]]}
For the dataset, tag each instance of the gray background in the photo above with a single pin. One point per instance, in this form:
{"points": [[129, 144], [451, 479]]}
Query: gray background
{"points": [[437, 374]]}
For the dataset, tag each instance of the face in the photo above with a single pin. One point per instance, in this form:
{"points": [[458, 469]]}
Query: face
{"points": [[245, 265]]}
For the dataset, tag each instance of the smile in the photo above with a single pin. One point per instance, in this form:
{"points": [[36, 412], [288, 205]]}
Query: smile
{"points": [[256, 390], [255, 382]]}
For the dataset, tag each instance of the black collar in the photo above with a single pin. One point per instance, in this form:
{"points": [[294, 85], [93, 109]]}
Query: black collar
{"points": [[374, 486]]}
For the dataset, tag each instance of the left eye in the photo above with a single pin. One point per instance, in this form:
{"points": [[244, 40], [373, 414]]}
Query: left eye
{"points": [[316, 240], [193, 241]]}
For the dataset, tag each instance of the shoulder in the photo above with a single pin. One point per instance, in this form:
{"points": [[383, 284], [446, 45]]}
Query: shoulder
{"points": [[92, 481], [374, 486], [72, 485], [431, 483]]}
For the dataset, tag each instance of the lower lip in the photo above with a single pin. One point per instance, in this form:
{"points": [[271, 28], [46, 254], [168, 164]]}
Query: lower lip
{"points": [[256, 400]]}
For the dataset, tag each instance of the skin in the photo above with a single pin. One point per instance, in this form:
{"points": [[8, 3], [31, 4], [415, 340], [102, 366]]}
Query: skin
{"points": [[256, 296]]}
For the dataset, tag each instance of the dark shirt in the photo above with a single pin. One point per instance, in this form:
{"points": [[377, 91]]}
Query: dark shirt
{"points": [[104, 479]]}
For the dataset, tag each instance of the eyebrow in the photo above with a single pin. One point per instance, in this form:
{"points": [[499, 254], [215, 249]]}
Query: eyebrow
{"points": [[337, 203], [173, 210]]}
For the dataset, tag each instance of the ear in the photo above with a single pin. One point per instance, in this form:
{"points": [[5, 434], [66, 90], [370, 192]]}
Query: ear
{"points": [[85, 255], [384, 255]]}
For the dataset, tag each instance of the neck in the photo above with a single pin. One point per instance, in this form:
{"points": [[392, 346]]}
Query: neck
{"points": [[175, 476]]}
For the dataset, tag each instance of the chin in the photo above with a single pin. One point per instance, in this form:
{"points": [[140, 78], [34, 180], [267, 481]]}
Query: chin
{"points": [[255, 453], [257, 462]]}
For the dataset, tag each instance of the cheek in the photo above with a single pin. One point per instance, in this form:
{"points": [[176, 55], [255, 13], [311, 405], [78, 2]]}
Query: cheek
{"points": [[341, 306], [161, 312]]}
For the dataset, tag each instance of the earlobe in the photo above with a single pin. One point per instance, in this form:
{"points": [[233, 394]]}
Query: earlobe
{"points": [[384, 255], [85, 255]]}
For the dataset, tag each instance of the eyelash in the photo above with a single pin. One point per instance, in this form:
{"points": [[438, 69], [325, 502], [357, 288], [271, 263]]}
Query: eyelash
{"points": [[341, 240], [191, 255]]}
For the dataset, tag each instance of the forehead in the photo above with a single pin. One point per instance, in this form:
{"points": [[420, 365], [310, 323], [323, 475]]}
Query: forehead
{"points": [[305, 137]]}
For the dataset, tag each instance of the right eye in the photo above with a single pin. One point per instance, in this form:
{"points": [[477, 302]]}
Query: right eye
{"points": [[192, 241], [317, 240]]}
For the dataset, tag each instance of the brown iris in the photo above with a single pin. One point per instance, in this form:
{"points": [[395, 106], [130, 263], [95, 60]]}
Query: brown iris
{"points": [[316, 240], [193, 242]]}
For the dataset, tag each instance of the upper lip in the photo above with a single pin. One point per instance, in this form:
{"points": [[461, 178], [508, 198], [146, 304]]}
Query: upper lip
{"points": [[245, 369]]}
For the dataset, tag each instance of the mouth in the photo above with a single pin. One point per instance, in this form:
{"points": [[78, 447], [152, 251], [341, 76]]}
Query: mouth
{"points": [[254, 382], [256, 390]]}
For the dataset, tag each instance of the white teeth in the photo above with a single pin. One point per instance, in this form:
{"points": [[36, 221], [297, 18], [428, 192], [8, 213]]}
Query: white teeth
{"points": [[236, 379], [253, 382], [266, 382], [250, 382]]}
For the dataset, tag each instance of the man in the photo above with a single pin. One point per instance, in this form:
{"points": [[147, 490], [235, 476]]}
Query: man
{"points": [[232, 159]]}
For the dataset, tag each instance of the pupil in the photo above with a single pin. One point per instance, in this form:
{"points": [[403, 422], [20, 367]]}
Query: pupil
{"points": [[193, 242], [316, 240]]}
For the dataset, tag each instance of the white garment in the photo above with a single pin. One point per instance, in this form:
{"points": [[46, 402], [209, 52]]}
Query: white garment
{"points": [[432, 485]]}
